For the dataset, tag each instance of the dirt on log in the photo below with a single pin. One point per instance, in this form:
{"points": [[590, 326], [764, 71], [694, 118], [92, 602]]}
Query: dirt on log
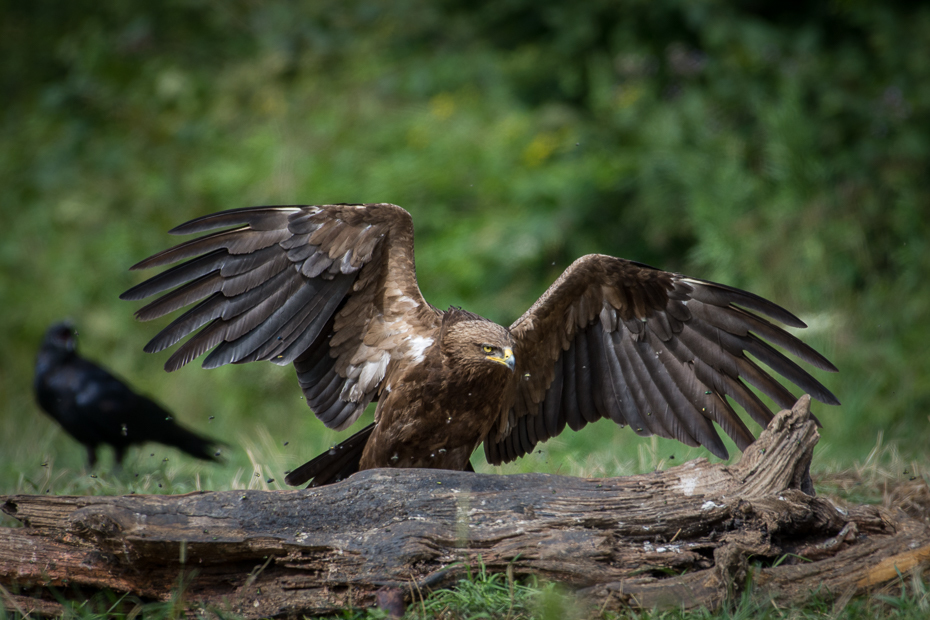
{"points": [[687, 536]]}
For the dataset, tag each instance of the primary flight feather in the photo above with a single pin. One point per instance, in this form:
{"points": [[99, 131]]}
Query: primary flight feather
{"points": [[332, 289]]}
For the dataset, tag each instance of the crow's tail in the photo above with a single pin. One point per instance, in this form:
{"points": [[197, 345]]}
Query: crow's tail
{"points": [[159, 425], [196, 445]]}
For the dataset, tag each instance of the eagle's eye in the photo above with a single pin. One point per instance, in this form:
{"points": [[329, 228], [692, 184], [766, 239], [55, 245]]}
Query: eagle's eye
{"points": [[487, 348]]}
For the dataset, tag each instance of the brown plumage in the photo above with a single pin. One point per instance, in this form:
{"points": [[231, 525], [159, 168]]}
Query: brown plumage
{"points": [[332, 289]]}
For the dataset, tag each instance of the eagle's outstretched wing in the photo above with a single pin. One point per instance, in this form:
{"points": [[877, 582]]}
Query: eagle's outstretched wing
{"points": [[330, 288], [659, 351]]}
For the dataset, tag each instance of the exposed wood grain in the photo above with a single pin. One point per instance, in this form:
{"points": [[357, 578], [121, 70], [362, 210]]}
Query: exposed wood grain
{"points": [[687, 536]]}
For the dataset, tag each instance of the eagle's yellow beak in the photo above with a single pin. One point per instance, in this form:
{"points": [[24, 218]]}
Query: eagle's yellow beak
{"points": [[508, 360]]}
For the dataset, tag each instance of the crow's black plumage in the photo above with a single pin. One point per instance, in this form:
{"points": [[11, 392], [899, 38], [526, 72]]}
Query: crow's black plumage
{"points": [[96, 408]]}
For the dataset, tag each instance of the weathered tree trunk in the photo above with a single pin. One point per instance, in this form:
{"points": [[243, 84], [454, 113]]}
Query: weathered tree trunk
{"points": [[686, 536]]}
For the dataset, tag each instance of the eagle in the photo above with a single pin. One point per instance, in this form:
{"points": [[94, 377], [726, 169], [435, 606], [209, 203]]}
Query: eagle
{"points": [[332, 289]]}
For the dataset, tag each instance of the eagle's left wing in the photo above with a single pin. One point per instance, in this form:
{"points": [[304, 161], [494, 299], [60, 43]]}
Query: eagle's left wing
{"points": [[331, 288], [659, 351]]}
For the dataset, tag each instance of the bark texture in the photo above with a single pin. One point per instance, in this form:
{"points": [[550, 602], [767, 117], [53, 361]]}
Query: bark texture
{"points": [[687, 536]]}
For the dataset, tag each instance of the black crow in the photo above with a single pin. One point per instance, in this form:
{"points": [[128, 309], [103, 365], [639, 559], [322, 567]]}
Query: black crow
{"points": [[96, 408]]}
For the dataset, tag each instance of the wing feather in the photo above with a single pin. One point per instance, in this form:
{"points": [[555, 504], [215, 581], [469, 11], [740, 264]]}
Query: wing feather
{"points": [[649, 400], [627, 403], [600, 375], [570, 405], [179, 274], [191, 292], [197, 345], [555, 423], [311, 304], [232, 241], [682, 390], [737, 364], [256, 218], [238, 264], [187, 323], [538, 424], [264, 297], [724, 296], [583, 377], [526, 444], [531, 431], [740, 323], [705, 398], [671, 392]]}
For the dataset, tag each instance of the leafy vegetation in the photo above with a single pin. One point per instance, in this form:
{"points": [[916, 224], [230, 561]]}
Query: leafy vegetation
{"points": [[777, 149]]}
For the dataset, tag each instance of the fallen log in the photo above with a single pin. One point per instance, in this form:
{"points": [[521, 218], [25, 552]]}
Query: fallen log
{"points": [[687, 536]]}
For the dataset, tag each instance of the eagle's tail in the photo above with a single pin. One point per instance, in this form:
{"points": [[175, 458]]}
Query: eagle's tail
{"points": [[335, 464]]}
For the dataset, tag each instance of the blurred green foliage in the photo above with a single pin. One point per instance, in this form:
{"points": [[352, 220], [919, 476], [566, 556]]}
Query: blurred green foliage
{"points": [[776, 148]]}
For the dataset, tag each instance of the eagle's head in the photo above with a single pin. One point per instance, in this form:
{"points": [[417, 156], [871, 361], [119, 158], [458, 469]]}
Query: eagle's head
{"points": [[471, 342]]}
